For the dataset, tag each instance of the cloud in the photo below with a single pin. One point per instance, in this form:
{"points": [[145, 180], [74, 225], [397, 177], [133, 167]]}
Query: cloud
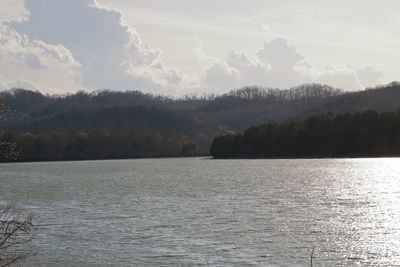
{"points": [[12, 10], [78, 44], [283, 59], [250, 69], [279, 65], [221, 75], [34, 62], [35, 53], [350, 78], [110, 53], [25, 84], [279, 54], [344, 77], [369, 76], [24, 58]]}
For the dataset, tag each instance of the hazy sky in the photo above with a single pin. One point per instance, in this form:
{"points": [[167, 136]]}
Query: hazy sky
{"points": [[186, 46]]}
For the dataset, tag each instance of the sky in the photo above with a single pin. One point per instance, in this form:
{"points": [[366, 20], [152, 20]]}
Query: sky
{"points": [[179, 47]]}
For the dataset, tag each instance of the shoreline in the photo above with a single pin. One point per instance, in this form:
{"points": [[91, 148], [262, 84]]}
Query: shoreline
{"points": [[202, 157], [309, 157], [100, 159]]}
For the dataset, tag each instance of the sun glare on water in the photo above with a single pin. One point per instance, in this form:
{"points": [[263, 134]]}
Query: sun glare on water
{"points": [[378, 222]]}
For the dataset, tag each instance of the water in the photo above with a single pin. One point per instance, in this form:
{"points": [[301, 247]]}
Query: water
{"points": [[190, 212]]}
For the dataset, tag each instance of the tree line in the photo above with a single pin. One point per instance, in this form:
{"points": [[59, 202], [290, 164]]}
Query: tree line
{"points": [[120, 142], [113, 124], [362, 134]]}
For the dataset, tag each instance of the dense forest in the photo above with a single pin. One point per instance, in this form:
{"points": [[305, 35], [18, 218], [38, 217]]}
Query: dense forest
{"points": [[110, 125], [348, 135]]}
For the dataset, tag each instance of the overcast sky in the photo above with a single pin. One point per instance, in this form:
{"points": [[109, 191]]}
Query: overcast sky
{"points": [[185, 46]]}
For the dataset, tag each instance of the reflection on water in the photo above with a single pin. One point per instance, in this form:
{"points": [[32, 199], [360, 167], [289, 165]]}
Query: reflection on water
{"points": [[172, 212]]}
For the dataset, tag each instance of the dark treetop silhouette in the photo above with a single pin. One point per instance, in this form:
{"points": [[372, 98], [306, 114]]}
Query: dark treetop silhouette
{"points": [[362, 134]]}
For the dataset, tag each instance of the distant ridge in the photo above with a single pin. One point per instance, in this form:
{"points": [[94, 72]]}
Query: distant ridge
{"points": [[108, 124]]}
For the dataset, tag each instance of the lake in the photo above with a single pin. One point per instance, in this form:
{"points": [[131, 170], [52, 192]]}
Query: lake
{"points": [[194, 212]]}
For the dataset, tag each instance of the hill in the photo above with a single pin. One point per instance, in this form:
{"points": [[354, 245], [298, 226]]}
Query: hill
{"points": [[107, 124]]}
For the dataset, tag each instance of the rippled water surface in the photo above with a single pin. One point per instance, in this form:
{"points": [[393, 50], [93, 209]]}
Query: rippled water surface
{"points": [[194, 212]]}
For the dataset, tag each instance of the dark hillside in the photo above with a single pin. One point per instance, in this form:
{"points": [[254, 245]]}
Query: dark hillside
{"points": [[157, 125]]}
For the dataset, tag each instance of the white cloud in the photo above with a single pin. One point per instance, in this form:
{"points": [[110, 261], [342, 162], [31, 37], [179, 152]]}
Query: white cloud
{"points": [[221, 75], [75, 44], [342, 34], [25, 84], [26, 59], [251, 70], [279, 54], [12, 10], [350, 78], [344, 77], [370, 77], [279, 65], [283, 59], [110, 53]]}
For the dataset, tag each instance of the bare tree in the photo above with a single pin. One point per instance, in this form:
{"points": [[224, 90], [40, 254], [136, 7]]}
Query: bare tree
{"points": [[15, 234]]}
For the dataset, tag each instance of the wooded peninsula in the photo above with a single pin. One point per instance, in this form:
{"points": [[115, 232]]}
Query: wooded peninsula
{"points": [[366, 134]]}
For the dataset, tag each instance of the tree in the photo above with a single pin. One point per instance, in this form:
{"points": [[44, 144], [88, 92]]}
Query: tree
{"points": [[14, 232], [7, 148], [345, 135]]}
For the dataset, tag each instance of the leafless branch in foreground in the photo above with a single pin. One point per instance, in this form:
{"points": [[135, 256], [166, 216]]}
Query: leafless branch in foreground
{"points": [[15, 235], [312, 256]]}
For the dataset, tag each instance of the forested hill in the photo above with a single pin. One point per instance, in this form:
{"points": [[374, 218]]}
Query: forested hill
{"points": [[108, 124]]}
